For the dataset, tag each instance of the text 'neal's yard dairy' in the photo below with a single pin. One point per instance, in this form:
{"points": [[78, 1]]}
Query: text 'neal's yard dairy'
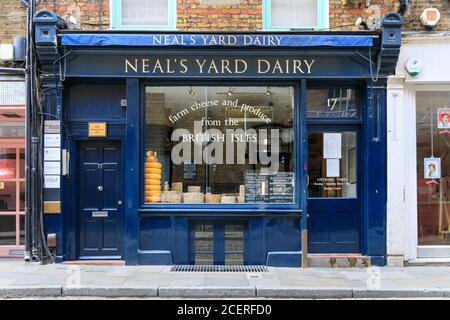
{"points": [[218, 65]]}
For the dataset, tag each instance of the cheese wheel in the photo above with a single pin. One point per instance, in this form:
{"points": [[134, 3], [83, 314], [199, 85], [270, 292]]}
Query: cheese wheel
{"points": [[152, 182], [156, 176], [152, 193], [153, 165], [153, 170], [153, 199], [153, 187]]}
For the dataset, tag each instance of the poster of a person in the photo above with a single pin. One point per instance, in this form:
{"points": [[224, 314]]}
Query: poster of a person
{"points": [[443, 121], [432, 168]]}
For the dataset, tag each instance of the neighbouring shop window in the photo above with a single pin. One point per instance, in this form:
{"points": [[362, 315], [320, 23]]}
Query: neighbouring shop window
{"points": [[12, 163], [144, 14], [433, 167], [12, 196], [332, 103], [295, 14], [217, 144], [332, 164]]}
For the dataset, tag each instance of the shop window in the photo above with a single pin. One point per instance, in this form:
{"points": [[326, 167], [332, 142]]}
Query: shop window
{"points": [[295, 14], [144, 14], [12, 193], [332, 161], [12, 165], [433, 167], [219, 145], [332, 103]]}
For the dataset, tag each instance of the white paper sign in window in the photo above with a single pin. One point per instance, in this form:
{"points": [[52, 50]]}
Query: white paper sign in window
{"points": [[332, 145]]}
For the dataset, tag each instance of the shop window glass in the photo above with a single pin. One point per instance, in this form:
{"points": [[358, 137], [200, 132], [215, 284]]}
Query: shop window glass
{"points": [[219, 145], [295, 14], [7, 196], [22, 163], [433, 167], [332, 103], [22, 196], [22, 230], [7, 230], [12, 191], [332, 164]]}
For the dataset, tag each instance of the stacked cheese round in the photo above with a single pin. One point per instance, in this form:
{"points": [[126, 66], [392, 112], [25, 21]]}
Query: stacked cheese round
{"points": [[152, 178]]}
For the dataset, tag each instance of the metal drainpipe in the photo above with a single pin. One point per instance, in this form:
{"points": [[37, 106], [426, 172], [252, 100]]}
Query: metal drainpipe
{"points": [[35, 250], [27, 251]]}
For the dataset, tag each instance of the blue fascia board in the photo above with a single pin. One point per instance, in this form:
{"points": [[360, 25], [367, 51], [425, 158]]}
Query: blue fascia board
{"points": [[214, 40]]}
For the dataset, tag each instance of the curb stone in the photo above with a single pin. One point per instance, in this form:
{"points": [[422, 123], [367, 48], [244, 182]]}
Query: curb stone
{"points": [[399, 293], [217, 292], [110, 291], [207, 292], [308, 293], [30, 291]]}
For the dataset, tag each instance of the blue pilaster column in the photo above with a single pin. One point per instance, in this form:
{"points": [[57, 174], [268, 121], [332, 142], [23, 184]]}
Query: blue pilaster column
{"points": [[132, 190]]}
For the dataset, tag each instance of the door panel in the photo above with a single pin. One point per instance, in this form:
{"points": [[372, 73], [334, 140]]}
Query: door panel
{"points": [[100, 215], [334, 203], [110, 188]]}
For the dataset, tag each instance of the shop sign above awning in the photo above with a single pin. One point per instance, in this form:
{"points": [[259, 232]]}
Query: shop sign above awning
{"points": [[216, 40]]}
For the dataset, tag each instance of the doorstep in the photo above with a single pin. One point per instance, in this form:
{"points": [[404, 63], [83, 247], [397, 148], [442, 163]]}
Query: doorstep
{"points": [[96, 262], [428, 262], [338, 260]]}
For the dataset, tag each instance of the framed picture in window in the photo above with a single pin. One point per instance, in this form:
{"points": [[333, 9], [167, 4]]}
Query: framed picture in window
{"points": [[432, 168], [443, 118]]}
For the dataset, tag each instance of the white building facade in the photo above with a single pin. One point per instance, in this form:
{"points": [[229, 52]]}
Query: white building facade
{"points": [[418, 207]]}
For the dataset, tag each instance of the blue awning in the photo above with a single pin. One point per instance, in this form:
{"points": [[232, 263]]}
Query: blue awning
{"points": [[214, 40]]}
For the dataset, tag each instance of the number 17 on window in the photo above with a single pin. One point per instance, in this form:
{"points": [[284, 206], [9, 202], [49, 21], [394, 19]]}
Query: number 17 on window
{"points": [[331, 103]]}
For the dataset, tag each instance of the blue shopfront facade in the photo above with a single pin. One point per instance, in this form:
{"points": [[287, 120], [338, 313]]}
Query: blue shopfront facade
{"points": [[107, 94]]}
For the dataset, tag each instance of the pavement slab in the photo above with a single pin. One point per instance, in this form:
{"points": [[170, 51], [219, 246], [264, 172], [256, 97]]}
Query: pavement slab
{"points": [[21, 280]]}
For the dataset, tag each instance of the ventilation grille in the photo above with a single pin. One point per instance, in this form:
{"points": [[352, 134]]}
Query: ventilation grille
{"points": [[214, 268]]}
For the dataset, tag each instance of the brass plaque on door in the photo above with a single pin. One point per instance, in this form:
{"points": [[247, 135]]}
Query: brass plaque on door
{"points": [[100, 214], [52, 207]]}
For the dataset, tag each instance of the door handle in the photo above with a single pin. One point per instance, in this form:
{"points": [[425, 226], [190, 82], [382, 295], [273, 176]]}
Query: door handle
{"points": [[100, 188]]}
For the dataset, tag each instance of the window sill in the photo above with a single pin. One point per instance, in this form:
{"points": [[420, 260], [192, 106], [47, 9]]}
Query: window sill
{"points": [[144, 28], [219, 210]]}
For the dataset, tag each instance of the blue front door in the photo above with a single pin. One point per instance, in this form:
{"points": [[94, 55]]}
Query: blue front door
{"points": [[100, 200], [334, 196]]}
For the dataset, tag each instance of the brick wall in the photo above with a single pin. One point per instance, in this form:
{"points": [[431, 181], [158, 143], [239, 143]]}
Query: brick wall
{"points": [[12, 20], [246, 15], [91, 14], [416, 9]]}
